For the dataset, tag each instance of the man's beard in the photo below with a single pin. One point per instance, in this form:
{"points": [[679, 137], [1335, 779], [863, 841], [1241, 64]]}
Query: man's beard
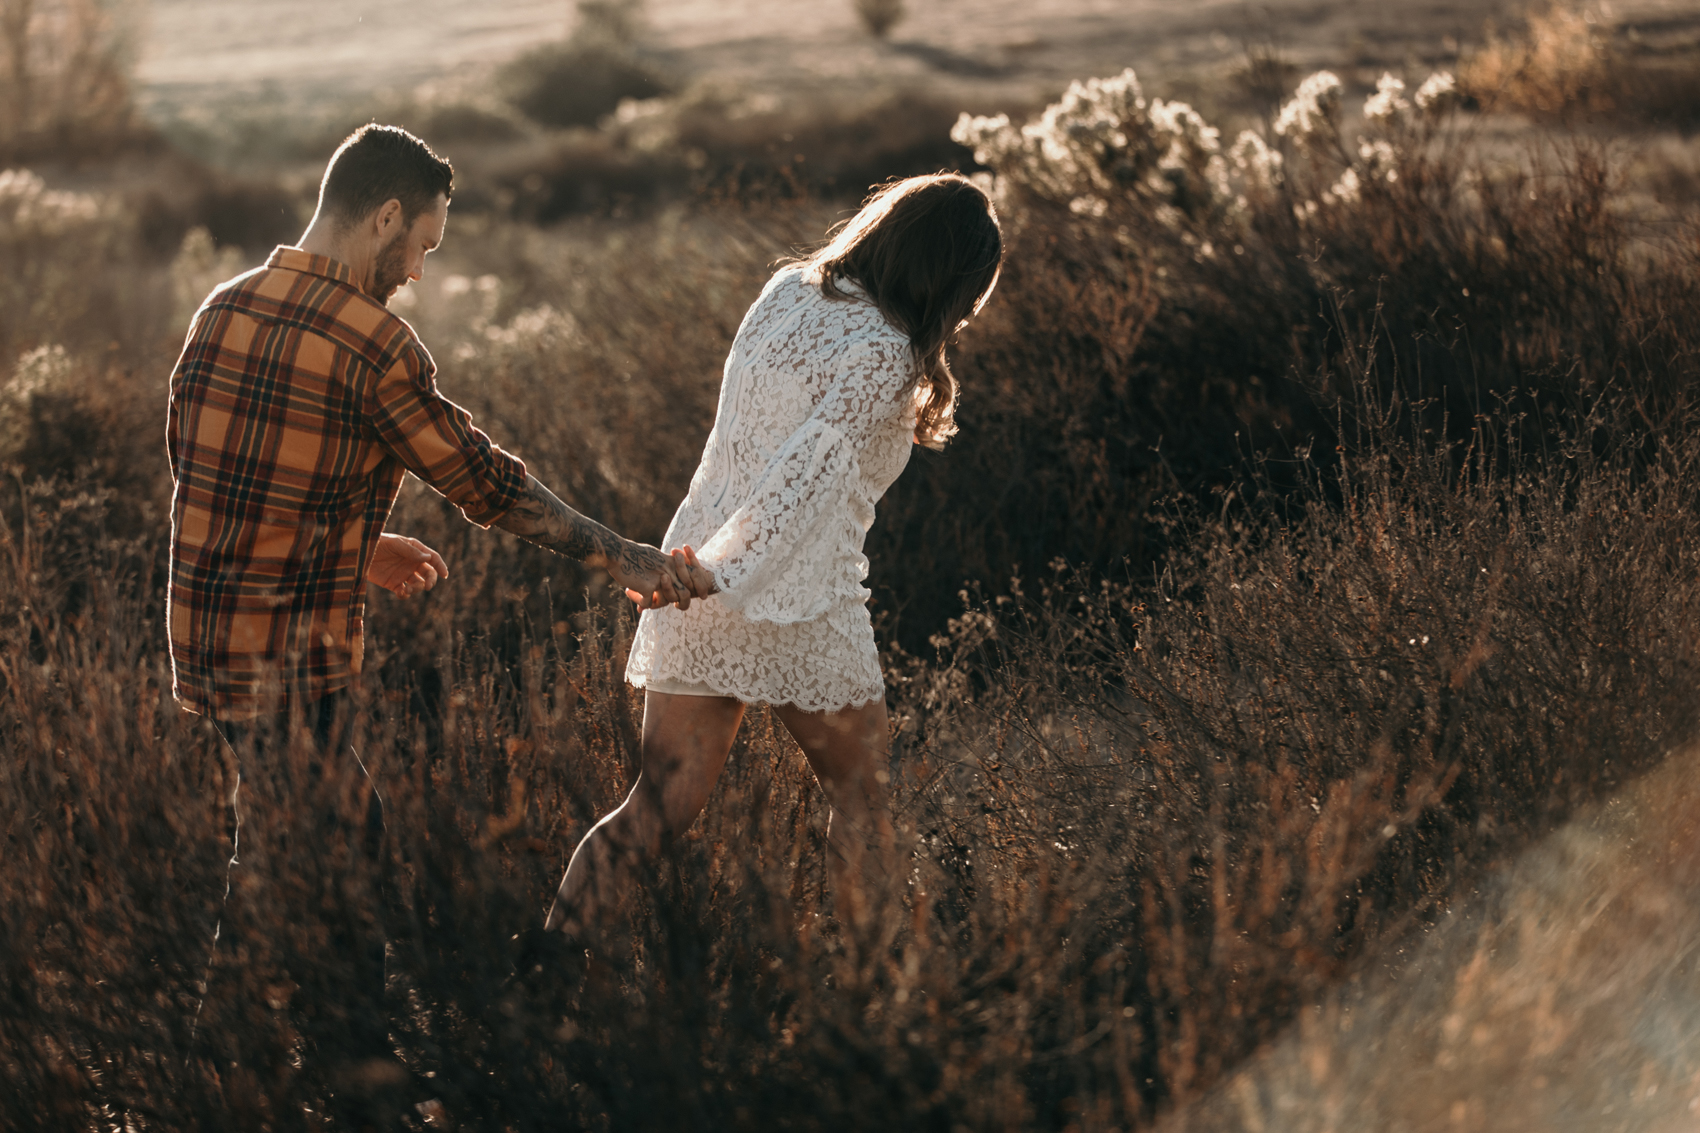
{"points": [[390, 272]]}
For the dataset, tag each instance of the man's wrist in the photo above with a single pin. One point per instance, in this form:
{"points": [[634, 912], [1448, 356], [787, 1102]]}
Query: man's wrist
{"points": [[612, 558]]}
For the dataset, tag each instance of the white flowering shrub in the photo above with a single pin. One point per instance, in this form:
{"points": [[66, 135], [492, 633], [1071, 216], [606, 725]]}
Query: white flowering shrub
{"points": [[44, 371], [1103, 144], [1311, 118], [28, 208], [1398, 129], [1103, 148]]}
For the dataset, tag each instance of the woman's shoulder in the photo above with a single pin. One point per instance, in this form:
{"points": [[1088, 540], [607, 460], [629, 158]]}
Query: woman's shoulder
{"points": [[802, 302], [849, 310]]}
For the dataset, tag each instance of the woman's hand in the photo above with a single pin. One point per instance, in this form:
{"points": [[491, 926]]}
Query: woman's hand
{"points": [[649, 577], [699, 577], [694, 579], [405, 566]]}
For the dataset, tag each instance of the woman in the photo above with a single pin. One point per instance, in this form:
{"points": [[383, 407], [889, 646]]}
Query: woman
{"points": [[837, 368]]}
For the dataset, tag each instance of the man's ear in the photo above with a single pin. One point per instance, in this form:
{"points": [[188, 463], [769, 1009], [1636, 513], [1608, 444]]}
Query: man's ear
{"points": [[387, 219]]}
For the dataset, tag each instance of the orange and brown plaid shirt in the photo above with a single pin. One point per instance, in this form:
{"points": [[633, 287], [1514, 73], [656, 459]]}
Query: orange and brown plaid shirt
{"points": [[296, 405]]}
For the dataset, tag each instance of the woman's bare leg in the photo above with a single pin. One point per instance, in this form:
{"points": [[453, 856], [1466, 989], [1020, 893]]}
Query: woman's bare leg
{"points": [[849, 752], [685, 743]]}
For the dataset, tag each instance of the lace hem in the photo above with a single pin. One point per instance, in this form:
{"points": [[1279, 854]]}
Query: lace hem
{"points": [[824, 706], [819, 666]]}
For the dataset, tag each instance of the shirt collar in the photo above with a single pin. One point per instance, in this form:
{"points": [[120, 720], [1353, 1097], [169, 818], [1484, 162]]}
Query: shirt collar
{"points": [[294, 259]]}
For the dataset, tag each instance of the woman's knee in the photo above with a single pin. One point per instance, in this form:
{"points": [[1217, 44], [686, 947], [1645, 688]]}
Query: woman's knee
{"points": [[675, 785]]}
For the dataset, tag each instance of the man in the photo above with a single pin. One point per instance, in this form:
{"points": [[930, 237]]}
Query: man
{"points": [[297, 404]]}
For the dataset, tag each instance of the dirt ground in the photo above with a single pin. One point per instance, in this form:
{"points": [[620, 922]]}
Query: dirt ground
{"points": [[235, 60], [209, 49]]}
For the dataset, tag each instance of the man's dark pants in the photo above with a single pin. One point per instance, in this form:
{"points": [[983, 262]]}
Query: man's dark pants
{"points": [[300, 928]]}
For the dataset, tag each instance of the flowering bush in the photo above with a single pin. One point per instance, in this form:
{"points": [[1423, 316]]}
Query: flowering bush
{"points": [[1104, 144], [39, 373], [27, 205], [1104, 150]]}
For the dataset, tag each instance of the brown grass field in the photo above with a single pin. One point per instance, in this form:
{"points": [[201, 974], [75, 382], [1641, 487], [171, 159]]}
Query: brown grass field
{"points": [[1293, 663]]}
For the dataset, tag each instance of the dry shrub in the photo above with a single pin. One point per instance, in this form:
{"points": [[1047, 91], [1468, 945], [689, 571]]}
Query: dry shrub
{"points": [[1495, 1018], [59, 248], [879, 16], [825, 142], [64, 81], [1572, 63], [575, 84], [1135, 351], [87, 269], [582, 80], [1563, 63], [91, 318], [82, 371], [1308, 731], [1663, 93]]}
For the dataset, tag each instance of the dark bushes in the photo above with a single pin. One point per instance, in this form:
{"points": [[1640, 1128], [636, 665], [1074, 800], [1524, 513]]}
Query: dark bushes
{"points": [[726, 144], [576, 84]]}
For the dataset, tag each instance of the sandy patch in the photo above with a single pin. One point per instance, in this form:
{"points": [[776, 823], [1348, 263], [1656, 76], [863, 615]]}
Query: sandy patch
{"points": [[1563, 996]]}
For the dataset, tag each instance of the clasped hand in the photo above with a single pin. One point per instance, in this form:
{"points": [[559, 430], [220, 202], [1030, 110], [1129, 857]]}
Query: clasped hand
{"points": [[668, 579], [404, 566]]}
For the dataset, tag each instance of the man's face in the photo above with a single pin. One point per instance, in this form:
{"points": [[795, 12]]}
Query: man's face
{"points": [[403, 258]]}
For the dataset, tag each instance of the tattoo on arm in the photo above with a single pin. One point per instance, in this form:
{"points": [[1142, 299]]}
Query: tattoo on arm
{"points": [[540, 517]]}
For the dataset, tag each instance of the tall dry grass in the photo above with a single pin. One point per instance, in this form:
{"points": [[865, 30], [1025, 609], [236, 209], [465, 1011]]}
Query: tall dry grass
{"points": [[1555, 993], [1365, 582], [1146, 826]]}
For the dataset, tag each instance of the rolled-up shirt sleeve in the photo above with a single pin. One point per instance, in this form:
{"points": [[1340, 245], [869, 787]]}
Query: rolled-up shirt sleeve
{"points": [[436, 440]]}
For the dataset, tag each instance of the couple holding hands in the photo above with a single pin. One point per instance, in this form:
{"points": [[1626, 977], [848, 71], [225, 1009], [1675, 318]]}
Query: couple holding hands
{"points": [[299, 400]]}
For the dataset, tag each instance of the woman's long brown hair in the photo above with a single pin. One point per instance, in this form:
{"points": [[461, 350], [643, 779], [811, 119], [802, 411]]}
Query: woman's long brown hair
{"points": [[927, 251]]}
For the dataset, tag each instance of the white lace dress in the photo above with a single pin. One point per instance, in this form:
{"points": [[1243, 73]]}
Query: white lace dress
{"points": [[812, 428]]}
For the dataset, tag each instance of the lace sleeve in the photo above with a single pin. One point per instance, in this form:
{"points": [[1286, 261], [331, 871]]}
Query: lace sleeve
{"points": [[777, 558]]}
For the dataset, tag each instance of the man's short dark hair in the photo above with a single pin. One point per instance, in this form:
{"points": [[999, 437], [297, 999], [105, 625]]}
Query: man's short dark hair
{"points": [[377, 163]]}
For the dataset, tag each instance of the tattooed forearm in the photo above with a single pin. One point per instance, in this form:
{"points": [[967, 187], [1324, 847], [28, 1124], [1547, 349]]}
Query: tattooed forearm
{"points": [[542, 518]]}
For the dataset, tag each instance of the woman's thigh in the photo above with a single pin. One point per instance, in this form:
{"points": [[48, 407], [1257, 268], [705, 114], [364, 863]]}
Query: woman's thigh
{"points": [[685, 743], [841, 746]]}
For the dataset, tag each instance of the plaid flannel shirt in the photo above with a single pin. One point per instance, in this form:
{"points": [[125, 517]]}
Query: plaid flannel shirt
{"points": [[296, 405]]}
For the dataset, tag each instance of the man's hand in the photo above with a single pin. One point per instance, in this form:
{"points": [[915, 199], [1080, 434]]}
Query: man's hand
{"points": [[691, 580], [405, 566]]}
